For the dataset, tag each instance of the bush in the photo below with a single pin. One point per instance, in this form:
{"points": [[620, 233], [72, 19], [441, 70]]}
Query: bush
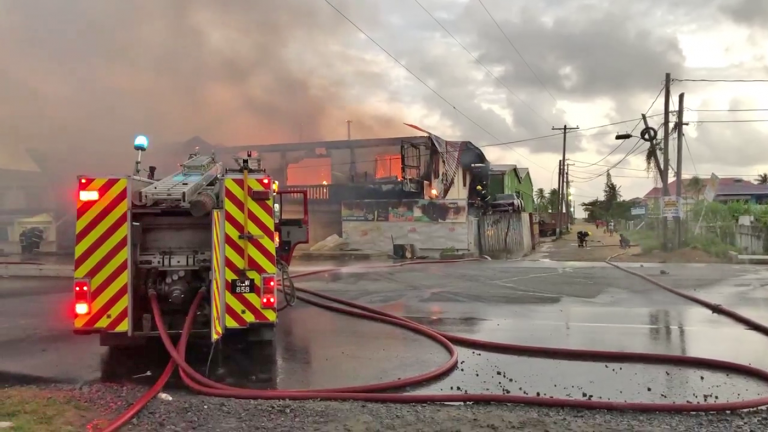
{"points": [[646, 239], [710, 244]]}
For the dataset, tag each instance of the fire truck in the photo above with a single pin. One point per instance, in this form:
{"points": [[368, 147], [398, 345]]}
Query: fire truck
{"points": [[205, 227]]}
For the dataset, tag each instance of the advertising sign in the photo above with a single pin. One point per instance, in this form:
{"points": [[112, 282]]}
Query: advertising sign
{"points": [[671, 207], [711, 190]]}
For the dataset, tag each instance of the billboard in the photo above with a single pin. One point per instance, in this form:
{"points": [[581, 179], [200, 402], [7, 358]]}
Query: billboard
{"points": [[711, 190]]}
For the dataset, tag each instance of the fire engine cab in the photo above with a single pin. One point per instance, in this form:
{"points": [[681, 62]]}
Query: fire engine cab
{"points": [[205, 227]]}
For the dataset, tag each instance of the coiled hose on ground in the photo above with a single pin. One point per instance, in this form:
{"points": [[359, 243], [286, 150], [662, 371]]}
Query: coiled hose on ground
{"points": [[203, 385]]}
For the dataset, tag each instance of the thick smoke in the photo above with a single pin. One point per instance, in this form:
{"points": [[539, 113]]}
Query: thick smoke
{"points": [[81, 77]]}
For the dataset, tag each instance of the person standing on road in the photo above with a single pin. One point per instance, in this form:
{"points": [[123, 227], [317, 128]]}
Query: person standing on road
{"points": [[610, 228]]}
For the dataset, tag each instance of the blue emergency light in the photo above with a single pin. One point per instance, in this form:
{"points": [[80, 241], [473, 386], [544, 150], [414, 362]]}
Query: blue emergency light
{"points": [[140, 143]]}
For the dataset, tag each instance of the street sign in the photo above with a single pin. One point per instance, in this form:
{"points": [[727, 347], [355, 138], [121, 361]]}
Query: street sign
{"points": [[671, 207], [711, 190], [638, 211]]}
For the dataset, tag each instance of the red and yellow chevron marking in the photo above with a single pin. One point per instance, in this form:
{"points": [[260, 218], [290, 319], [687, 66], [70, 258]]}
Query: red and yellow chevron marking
{"points": [[217, 277], [242, 309], [101, 253]]}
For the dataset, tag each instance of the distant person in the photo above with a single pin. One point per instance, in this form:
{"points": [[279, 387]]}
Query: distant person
{"points": [[581, 236], [624, 241], [610, 228]]}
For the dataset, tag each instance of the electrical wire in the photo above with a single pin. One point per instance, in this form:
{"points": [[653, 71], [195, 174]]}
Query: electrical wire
{"points": [[427, 85], [719, 80], [558, 135], [730, 121], [685, 140], [480, 63], [490, 15], [727, 110], [632, 131]]}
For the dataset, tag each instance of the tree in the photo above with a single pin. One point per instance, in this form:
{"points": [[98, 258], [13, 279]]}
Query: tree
{"points": [[552, 200], [695, 186], [762, 178], [611, 193], [540, 196]]}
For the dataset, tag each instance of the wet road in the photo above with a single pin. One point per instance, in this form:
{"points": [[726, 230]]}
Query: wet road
{"points": [[575, 305]]}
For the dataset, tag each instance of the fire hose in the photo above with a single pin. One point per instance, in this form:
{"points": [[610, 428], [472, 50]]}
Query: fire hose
{"points": [[205, 386]]}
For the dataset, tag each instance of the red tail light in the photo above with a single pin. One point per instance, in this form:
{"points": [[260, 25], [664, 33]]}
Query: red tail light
{"points": [[268, 298], [82, 297], [268, 301]]}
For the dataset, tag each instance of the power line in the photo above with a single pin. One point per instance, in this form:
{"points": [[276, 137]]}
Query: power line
{"points": [[517, 51], [685, 140], [731, 121], [609, 166], [558, 135], [480, 63], [720, 80], [425, 84], [632, 131], [728, 110]]}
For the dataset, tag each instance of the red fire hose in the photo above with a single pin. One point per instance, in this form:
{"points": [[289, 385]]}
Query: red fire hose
{"points": [[202, 385]]}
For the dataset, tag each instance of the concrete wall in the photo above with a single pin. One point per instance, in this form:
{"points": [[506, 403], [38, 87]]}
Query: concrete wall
{"points": [[377, 236]]}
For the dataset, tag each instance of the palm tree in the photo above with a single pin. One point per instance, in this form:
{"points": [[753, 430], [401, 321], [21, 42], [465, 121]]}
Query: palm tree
{"points": [[541, 200], [762, 178], [695, 185], [552, 200]]}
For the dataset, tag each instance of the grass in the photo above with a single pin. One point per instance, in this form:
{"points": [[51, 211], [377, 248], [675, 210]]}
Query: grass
{"points": [[31, 409], [647, 240], [711, 244]]}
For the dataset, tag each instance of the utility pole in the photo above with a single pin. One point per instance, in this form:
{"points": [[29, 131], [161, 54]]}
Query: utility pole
{"points": [[679, 165], [665, 175], [349, 130], [561, 182], [567, 195]]}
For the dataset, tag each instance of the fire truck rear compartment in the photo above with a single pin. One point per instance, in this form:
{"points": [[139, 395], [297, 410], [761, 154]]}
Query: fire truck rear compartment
{"points": [[171, 255]]}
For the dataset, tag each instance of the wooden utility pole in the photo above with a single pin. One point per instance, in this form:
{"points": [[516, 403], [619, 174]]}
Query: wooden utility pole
{"points": [[567, 195], [561, 182], [679, 165], [665, 174]]}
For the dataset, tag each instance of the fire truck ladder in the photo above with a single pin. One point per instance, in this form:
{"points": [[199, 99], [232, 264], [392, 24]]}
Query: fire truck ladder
{"points": [[184, 185]]}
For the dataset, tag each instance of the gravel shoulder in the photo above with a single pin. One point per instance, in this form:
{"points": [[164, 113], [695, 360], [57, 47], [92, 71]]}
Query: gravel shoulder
{"points": [[189, 412]]}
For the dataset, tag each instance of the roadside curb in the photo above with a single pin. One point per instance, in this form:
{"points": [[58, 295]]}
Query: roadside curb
{"points": [[36, 270]]}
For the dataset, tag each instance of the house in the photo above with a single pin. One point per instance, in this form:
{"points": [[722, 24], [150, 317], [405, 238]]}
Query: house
{"points": [[729, 189], [511, 179], [25, 201], [741, 190]]}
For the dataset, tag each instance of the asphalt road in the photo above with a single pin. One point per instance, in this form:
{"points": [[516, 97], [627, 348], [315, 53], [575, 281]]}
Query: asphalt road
{"points": [[576, 305]]}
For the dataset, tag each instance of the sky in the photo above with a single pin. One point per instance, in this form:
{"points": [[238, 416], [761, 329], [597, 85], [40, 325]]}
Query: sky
{"points": [[83, 77]]}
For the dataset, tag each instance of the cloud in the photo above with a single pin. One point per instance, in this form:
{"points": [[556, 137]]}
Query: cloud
{"points": [[85, 77]]}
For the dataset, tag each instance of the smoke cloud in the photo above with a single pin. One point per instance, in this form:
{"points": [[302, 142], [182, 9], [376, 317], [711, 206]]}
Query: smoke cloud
{"points": [[82, 78]]}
